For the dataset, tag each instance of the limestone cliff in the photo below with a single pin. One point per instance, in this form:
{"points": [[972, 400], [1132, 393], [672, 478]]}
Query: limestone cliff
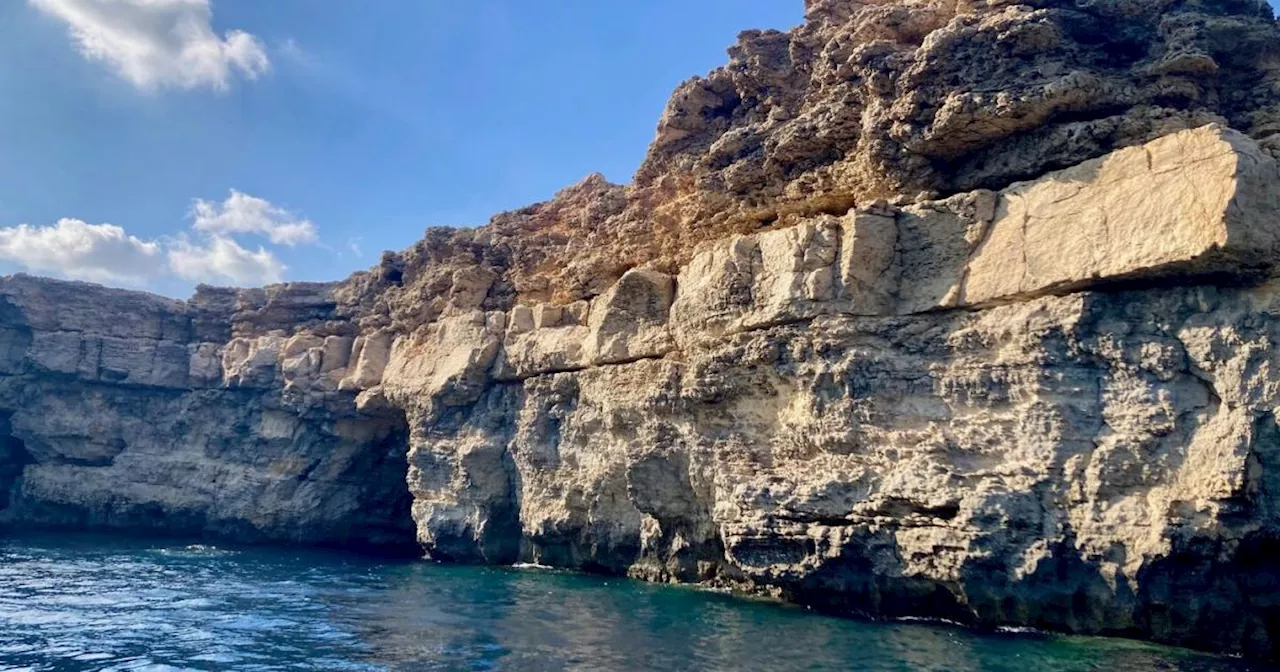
{"points": [[120, 410], [951, 309]]}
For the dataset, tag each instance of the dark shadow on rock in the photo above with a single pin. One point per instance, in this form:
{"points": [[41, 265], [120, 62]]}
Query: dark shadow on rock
{"points": [[13, 460]]}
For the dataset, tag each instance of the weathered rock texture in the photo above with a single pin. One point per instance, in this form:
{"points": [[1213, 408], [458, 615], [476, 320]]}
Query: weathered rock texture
{"points": [[826, 346], [902, 411], [125, 411], [874, 99]]}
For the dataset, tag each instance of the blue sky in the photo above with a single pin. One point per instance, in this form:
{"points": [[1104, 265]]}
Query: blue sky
{"points": [[226, 140]]}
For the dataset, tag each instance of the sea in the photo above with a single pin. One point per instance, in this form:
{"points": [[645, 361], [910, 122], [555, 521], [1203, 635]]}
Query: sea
{"points": [[76, 602]]}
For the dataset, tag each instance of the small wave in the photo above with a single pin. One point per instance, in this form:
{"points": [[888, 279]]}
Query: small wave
{"points": [[195, 549], [1019, 630], [530, 565], [930, 620]]}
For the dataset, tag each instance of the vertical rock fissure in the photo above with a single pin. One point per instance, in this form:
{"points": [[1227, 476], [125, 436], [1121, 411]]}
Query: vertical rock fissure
{"points": [[13, 461], [383, 470]]}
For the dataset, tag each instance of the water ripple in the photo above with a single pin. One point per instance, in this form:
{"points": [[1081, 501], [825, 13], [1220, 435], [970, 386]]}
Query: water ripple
{"points": [[90, 603]]}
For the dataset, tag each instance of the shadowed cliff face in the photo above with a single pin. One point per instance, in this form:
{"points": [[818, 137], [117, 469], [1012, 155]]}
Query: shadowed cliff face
{"points": [[825, 347], [108, 420], [13, 460]]}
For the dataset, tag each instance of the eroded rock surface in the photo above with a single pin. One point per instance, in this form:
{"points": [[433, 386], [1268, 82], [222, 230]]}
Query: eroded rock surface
{"points": [[894, 99], [904, 411], [125, 411], [924, 308]]}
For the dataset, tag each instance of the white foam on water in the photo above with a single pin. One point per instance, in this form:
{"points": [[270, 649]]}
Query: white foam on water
{"points": [[530, 565], [1019, 630], [926, 619]]}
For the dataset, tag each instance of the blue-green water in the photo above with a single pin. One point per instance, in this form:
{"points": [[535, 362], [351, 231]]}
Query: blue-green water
{"points": [[92, 603]]}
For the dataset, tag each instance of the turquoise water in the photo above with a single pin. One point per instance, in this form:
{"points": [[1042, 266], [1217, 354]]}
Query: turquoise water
{"points": [[93, 603]]}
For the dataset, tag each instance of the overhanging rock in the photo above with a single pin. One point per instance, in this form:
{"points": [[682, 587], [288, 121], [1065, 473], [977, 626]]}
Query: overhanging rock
{"points": [[1198, 202]]}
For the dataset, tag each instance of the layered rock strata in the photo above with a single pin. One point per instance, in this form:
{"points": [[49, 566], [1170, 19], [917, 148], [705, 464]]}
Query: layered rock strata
{"points": [[904, 411], [125, 411], [944, 309]]}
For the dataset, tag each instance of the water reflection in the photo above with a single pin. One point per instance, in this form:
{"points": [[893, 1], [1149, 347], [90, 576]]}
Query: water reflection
{"points": [[465, 618], [107, 604]]}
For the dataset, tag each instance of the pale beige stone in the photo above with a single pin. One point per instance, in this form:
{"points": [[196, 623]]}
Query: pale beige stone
{"points": [[1193, 202], [449, 361], [630, 320], [869, 261], [337, 353], [374, 354], [744, 369]]}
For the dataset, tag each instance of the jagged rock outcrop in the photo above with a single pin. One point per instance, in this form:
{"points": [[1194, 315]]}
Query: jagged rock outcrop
{"points": [[952, 309], [881, 99]]}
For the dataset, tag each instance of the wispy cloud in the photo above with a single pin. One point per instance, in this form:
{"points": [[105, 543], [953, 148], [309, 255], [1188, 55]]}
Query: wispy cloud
{"points": [[358, 87], [160, 43]]}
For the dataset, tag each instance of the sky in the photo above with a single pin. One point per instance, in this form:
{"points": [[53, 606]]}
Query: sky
{"points": [[157, 144]]}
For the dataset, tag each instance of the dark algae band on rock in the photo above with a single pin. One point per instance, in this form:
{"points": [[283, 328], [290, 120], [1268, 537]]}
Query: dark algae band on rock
{"points": [[962, 310]]}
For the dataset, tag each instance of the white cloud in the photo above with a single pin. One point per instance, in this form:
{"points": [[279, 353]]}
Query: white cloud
{"points": [[210, 252], [74, 249], [221, 259], [157, 43], [242, 213]]}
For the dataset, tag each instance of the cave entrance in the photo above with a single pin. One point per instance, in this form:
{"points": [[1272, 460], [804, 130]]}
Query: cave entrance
{"points": [[383, 524], [14, 459]]}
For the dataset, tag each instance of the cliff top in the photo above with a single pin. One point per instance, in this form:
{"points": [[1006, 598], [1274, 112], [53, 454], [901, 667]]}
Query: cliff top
{"points": [[900, 100]]}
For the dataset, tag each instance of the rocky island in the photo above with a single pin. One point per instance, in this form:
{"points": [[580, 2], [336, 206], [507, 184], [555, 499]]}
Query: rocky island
{"points": [[935, 308]]}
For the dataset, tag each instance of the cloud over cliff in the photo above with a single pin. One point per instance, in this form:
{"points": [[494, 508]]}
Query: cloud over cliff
{"points": [[242, 213], [220, 259], [160, 43], [73, 248], [209, 252]]}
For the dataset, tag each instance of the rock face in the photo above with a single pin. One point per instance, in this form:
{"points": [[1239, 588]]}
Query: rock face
{"points": [[948, 309], [903, 411], [125, 411], [868, 99]]}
